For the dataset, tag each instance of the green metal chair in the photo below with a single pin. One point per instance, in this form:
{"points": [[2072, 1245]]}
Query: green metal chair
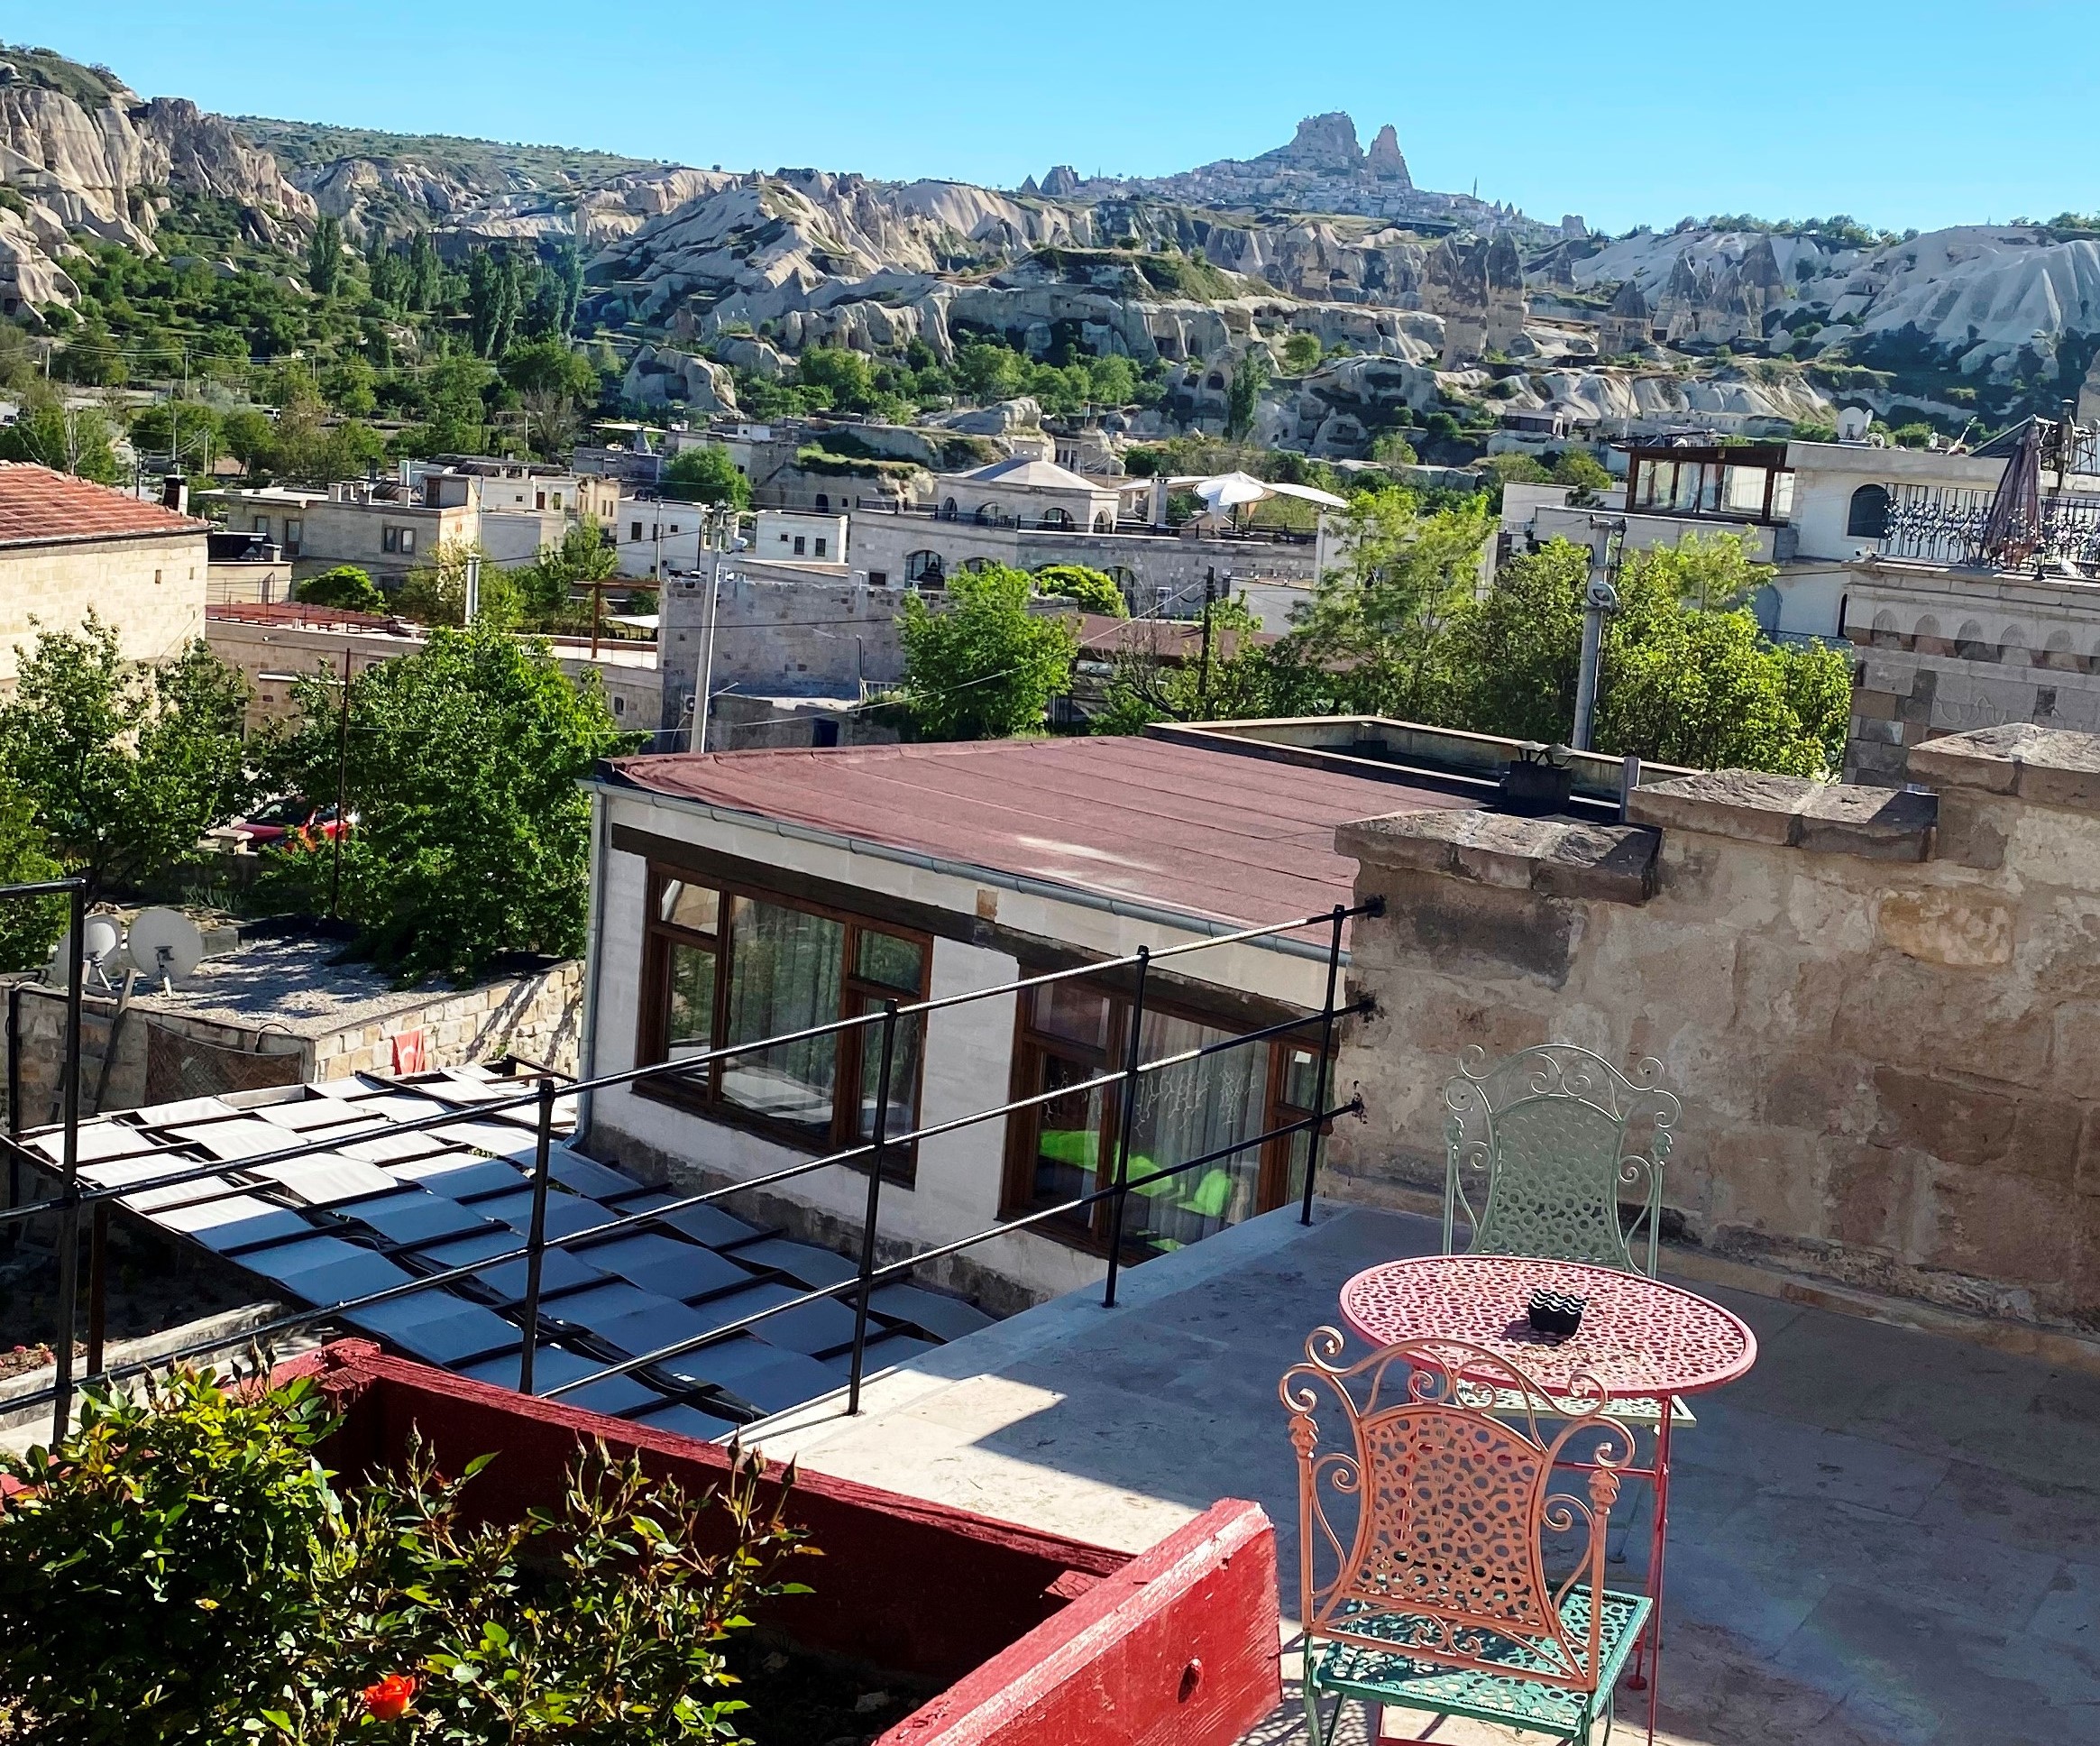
{"points": [[1541, 1147], [1423, 1543]]}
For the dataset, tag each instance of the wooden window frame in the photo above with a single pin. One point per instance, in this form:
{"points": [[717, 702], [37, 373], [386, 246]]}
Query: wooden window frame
{"points": [[1016, 1193], [702, 1093]]}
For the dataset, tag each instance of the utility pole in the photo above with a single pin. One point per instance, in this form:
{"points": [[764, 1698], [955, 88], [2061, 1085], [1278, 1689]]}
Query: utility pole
{"points": [[473, 608], [1203, 666], [705, 696], [342, 794], [1599, 599]]}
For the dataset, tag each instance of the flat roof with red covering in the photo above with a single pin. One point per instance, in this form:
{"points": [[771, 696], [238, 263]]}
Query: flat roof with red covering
{"points": [[39, 507], [1218, 834]]}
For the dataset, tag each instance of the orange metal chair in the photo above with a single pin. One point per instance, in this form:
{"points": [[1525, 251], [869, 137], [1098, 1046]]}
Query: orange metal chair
{"points": [[1424, 1541]]}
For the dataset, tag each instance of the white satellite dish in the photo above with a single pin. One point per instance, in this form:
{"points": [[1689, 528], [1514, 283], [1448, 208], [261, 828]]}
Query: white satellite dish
{"points": [[166, 946], [101, 951]]}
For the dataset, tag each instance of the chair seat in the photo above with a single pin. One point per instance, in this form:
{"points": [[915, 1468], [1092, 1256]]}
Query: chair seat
{"points": [[1635, 1409], [1510, 1698]]}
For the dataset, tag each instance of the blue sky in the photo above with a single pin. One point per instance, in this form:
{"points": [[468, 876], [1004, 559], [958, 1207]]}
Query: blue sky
{"points": [[1921, 114]]}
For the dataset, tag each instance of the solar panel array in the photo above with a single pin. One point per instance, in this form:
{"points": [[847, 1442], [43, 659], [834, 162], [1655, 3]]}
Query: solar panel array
{"points": [[381, 1207]]}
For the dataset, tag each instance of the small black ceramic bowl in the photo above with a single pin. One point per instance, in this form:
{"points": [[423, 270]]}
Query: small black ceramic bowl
{"points": [[1556, 1314]]}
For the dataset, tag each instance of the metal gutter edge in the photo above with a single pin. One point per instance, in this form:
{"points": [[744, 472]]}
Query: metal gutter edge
{"points": [[1079, 896]]}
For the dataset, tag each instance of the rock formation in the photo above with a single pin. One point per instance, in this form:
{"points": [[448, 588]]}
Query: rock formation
{"points": [[1628, 325], [1384, 159], [1061, 183]]}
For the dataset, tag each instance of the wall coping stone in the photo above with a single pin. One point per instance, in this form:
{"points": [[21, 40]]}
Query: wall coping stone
{"points": [[2051, 766], [1552, 857], [1830, 818]]}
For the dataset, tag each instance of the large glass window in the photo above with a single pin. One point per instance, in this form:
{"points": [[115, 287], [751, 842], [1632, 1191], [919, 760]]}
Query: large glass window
{"points": [[726, 967], [1203, 1108]]}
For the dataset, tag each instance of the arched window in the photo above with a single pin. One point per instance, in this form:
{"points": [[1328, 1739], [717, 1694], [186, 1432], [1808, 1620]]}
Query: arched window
{"points": [[1927, 638], [924, 568], [823, 502], [947, 511], [1970, 644], [1868, 517], [1056, 518], [2013, 645], [987, 513], [1215, 379], [1104, 523], [975, 564], [2057, 652], [1885, 634]]}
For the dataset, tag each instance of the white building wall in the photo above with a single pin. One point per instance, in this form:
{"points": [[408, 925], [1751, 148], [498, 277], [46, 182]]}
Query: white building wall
{"points": [[968, 1059]]}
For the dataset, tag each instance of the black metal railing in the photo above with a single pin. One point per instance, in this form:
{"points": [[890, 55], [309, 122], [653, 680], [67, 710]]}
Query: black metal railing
{"points": [[73, 1197]]}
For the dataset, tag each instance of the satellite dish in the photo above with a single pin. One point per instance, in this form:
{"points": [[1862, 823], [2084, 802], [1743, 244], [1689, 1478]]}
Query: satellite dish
{"points": [[101, 951], [166, 945]]}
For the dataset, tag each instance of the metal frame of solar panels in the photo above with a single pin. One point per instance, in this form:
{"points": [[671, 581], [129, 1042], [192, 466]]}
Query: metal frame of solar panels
{"points": [[435, 1281], [384, 1206]]}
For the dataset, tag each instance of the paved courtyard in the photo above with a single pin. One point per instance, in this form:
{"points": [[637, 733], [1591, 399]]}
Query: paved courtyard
{"points": [[1880, 1537]]}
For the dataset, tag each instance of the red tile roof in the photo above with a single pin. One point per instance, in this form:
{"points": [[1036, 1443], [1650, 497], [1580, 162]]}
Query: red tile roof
{"points": [[39, 507], [1230, 837]]}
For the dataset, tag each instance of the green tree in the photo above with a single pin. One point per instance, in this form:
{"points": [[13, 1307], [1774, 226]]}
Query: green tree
{"points": [[166, 424], [1581, 469], [983, 666], [345, 586], [125, 765], [472, 837], [75, 439], [28, 925], [1095, 590], [1374, 620], [1390, 449], [990, 372], [546, 587], [550, 365], [707, 475], [324, 256], [248, 433], [436, 593], [1161, 675], [1513, 469], [1685, 676], [1113, 380], [1243, 396], [1301, 353], [352, 388], [845, 376]]}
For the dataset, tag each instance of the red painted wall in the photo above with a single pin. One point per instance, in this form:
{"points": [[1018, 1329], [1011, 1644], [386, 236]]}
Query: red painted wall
{"points": [[1040, 1638]]}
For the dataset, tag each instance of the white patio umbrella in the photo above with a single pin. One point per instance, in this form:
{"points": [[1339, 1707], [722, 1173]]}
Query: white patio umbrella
{"points": [[1227, 491]]}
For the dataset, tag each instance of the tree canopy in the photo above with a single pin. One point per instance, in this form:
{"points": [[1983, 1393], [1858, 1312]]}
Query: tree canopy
{"points": [[472, 838], [345, 586], [983, 666], [1094, 590], [125, 765], [707, 475]]}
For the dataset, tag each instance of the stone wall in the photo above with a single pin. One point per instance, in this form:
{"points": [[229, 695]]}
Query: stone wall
{"points": [[536, 1017], [1881, 1009], [151, 591]]}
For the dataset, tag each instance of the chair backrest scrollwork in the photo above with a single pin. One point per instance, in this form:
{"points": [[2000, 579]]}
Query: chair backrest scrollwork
{"points": [[1423, 1531], [1541, 1148]]}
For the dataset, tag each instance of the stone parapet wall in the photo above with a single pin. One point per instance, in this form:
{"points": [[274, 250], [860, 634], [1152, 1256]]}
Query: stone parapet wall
{"points": [[537, 1017], [1881, 1009]]}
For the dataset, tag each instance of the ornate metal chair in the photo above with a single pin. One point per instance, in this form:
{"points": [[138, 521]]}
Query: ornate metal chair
{"points": [[1423, 1542], [1539, 1147]]}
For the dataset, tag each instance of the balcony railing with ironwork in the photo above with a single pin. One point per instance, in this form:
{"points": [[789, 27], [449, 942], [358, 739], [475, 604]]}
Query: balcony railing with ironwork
{"points": [[1952, 526]]}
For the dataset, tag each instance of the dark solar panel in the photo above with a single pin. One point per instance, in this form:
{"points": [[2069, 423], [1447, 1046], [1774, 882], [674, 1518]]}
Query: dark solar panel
{"points": [[805, 1264], [413, 1216], [667, 1264]]}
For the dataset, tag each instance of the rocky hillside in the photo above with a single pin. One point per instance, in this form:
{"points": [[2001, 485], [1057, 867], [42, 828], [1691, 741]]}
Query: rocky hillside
{"points": [[83, 154]]}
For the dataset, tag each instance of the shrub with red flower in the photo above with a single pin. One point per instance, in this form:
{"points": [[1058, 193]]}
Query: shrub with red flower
{"points": [[388, 1699]]}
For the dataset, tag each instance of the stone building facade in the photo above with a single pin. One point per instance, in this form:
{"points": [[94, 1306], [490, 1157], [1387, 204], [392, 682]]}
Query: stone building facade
{"points": [[68, 547], [1879, 1009]]}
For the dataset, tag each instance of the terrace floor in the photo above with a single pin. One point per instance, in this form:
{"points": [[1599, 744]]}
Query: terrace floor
{"points": [[1879, 1537]]}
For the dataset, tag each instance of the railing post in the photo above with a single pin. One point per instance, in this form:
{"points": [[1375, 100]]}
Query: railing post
{"points": [[1305, 1215], [97, 1285], [69, 1217], [879, 1139], [1128, 1115], [536, 1237]]}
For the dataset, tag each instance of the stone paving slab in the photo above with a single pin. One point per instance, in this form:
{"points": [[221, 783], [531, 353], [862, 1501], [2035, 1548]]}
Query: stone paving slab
{"points": [[1881, 1536]]}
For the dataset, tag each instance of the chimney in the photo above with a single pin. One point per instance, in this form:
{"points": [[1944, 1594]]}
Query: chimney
{"points": [[174, 494]]}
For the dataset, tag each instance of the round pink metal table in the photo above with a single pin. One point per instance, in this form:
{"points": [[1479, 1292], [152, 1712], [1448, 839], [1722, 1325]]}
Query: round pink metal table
{"points": [[1640, 1340]]}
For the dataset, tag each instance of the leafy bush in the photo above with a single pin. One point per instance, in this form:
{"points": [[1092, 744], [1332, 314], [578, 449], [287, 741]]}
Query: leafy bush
{"points": [[1095, 590], [345, 586], [183, 1569], [707, 476], [28, 925]]}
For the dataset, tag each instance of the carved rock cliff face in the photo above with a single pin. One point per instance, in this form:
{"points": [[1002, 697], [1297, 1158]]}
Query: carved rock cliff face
{"points": [[98, 169]]}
